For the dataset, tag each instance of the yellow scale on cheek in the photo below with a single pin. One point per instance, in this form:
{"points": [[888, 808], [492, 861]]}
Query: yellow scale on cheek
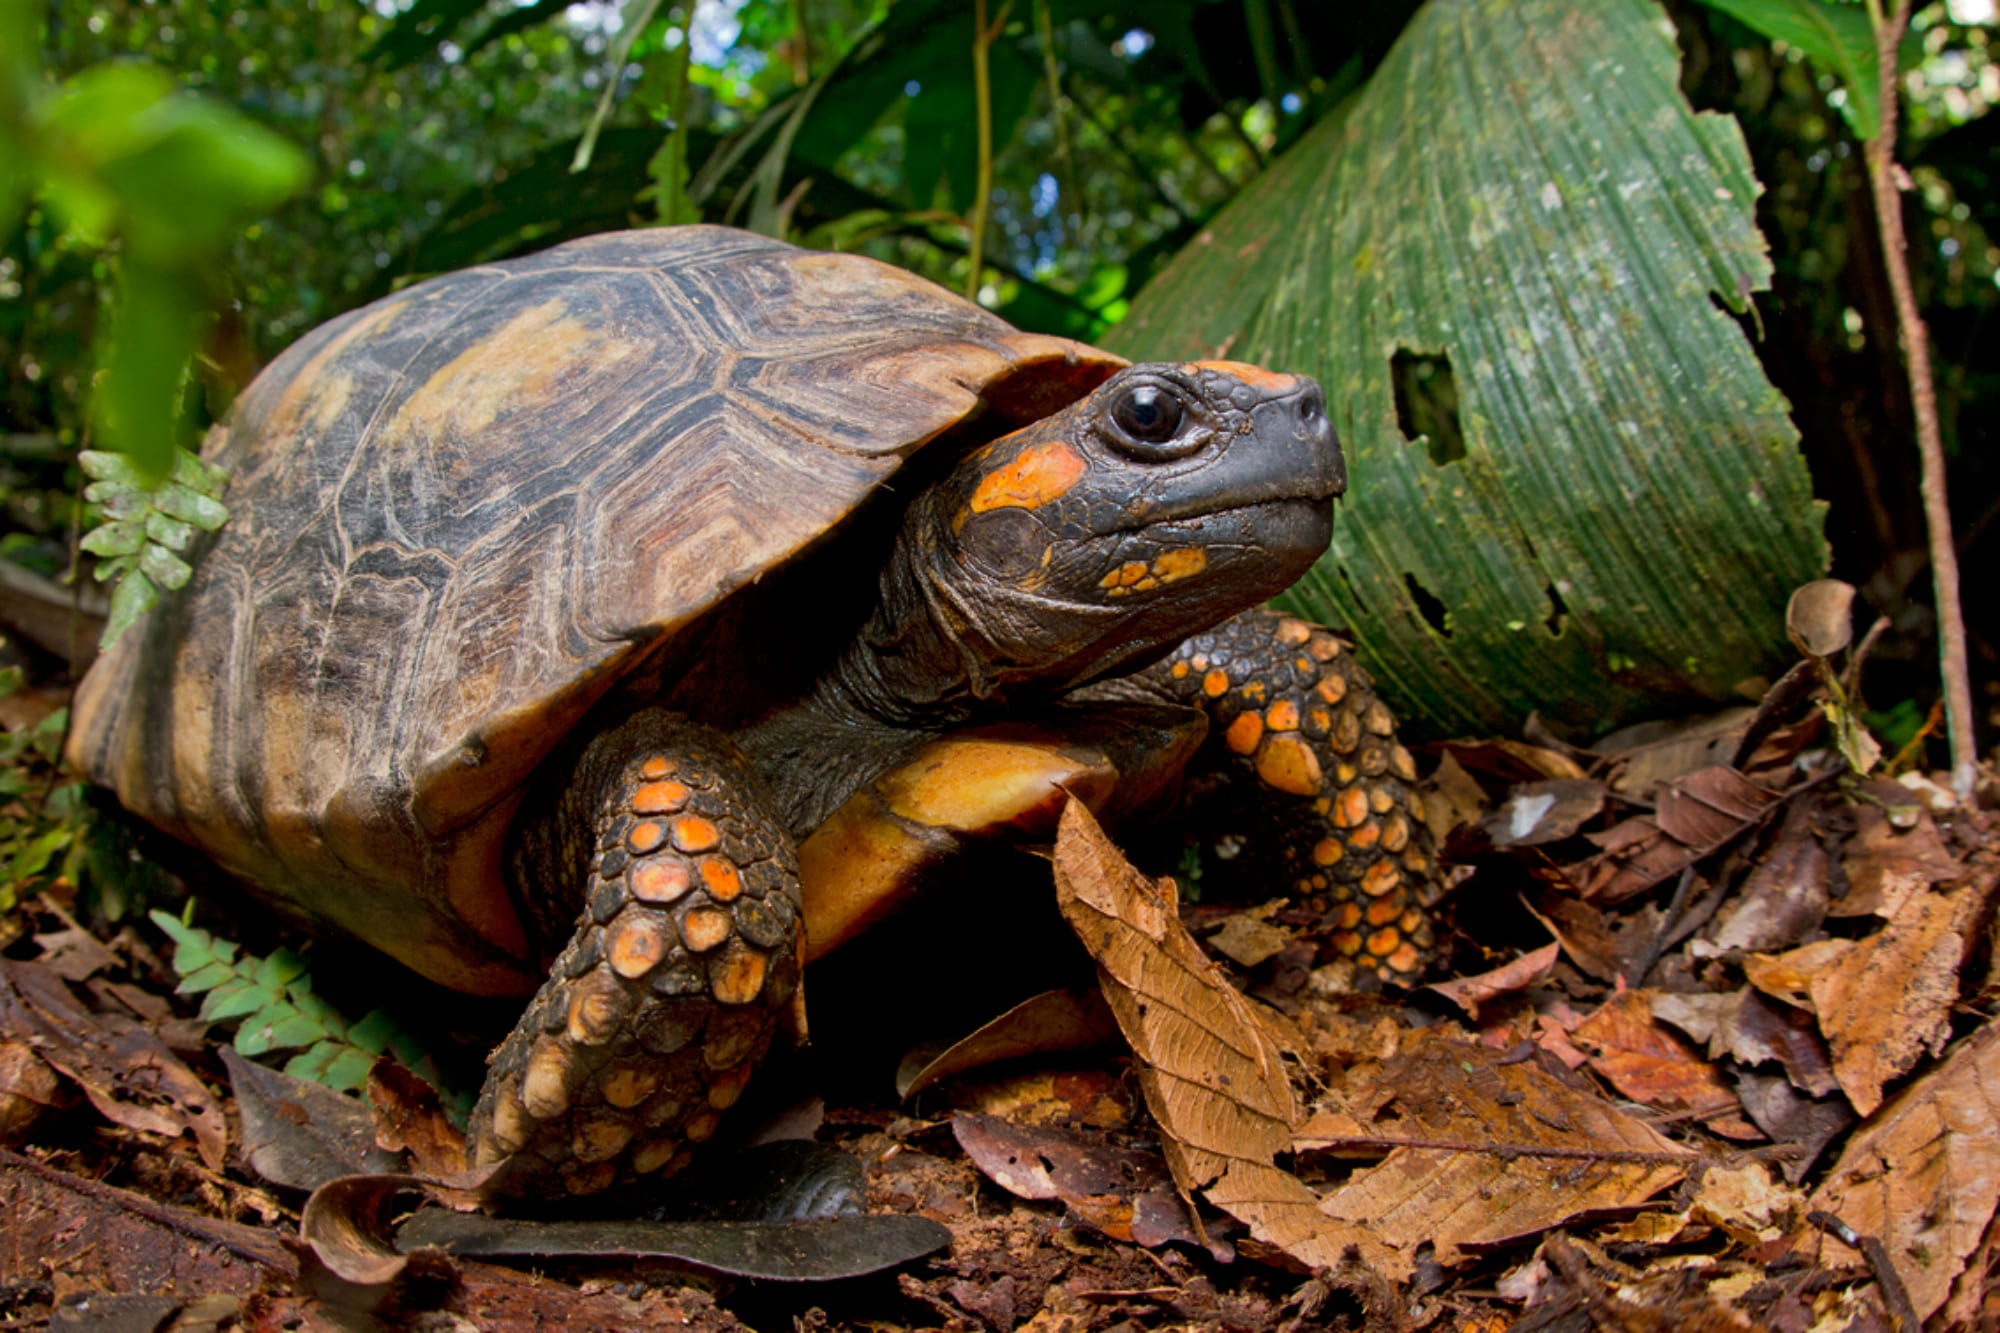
{"points": [[1168, 567]]}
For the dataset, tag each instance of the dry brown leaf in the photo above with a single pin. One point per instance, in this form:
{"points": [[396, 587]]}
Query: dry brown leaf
{"points": [[1789, 976], [125, 1071], [1520, 1151], [1055, 1020], [1743, 1200], [1249, 938], [1535, 813], [1649, 1064], [1451, 799], [1923, 1174], [1891, 998], [1209, 1069], [1709, 805], [1886, 866], [1785, 897], [1124, 1194], [1468, 992]]}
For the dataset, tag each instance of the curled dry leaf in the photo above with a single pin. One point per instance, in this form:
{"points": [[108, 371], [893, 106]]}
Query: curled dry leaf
{"points": [[1785, 897], [346, 1224], [1055, 1020], [1696, 815], [1820, 617], [1923, 1174], [1209, 1068], [1468, 992], [1495, 1149], [1891, 997]]}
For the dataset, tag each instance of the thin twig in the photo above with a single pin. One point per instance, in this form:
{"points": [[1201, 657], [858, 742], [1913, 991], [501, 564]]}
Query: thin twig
{"points": [[1882, 176], [982, 97], [1504, 1151]]}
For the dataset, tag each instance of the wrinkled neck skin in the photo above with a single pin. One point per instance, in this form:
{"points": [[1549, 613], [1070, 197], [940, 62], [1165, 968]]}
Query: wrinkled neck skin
{"points": [[933, 654]]}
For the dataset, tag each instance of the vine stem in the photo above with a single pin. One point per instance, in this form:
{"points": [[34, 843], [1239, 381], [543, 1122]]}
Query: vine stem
{"points": [[982, 97], [1882, 177]]}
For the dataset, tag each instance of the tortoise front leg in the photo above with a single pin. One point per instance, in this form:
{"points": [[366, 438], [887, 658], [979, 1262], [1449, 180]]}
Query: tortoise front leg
{"points": [[1312, 753], [683, 957]]}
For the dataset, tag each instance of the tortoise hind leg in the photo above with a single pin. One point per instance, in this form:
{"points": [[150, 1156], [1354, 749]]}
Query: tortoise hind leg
{"points": [[682, 959]]}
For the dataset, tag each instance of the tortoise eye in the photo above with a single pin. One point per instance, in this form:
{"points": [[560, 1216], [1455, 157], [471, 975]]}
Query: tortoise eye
{"points": [[1148, 414]]}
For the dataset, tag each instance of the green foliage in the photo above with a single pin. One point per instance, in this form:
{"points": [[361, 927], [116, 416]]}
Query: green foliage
{"points": [[38, 809], [1625, 511], [272, 1003], [149, 524], [1838, 38], [127, 161]]}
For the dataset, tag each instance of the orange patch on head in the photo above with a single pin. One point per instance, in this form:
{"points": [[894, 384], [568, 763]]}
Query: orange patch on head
{"points": [[660, 881], [1270, 381], [1042, 472], [1215, 684], [1331, 689], [1384, 912], [1287, 763], [645, 837], [659, 766], [1180, 563], [1351, 809], [1385, 941], [722, 880], [659, 798], [692, 833], [1244, 733], [1327, 851], [1283, 716]]}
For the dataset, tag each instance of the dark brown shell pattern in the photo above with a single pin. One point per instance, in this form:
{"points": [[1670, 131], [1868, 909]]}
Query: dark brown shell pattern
{"points": [[460, 515]]}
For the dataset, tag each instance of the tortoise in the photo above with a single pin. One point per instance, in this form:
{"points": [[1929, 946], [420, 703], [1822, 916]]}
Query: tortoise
{"points": [[583, 619]]}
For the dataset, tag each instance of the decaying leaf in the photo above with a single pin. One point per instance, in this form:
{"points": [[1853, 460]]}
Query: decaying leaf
{"points": [[1536, 813], [1785, 898], [409, 1118], [1468, 992], [1924, 1173], [1891, 997], [1789, 976], [1500, 1150], [1651, 1065], [301, 1134], [127, 1073], [1886, 864], [1696, 815], [1126, 1195]]}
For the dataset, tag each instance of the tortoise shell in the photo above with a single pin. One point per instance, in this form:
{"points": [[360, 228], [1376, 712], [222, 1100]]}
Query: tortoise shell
{"points": [[462, 515]]}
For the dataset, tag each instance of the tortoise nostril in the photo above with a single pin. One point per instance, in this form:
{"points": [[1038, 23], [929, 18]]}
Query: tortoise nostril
{"points": [[1311, 408]]}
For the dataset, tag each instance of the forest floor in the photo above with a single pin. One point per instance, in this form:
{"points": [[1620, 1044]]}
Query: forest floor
{"points": [[1711, 1046]]}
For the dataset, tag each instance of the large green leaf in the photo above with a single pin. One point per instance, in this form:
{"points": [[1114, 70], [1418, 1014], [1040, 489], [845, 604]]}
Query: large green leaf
{"points": [[1520, 189]]}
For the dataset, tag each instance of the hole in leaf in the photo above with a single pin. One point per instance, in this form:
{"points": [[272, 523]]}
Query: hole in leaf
{"points": [[1429, 607], [1557, 610], [1427, 403]]}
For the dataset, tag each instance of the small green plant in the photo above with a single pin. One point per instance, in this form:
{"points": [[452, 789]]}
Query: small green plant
{"points": [[149, 524], [38, 811], [271, 1000]]}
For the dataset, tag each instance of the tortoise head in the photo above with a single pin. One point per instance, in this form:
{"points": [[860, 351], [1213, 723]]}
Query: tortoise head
{"points": [[1085, 545]]}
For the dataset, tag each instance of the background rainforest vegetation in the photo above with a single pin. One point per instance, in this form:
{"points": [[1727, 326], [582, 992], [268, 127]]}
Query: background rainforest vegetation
{"points": [[217, 179]]}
